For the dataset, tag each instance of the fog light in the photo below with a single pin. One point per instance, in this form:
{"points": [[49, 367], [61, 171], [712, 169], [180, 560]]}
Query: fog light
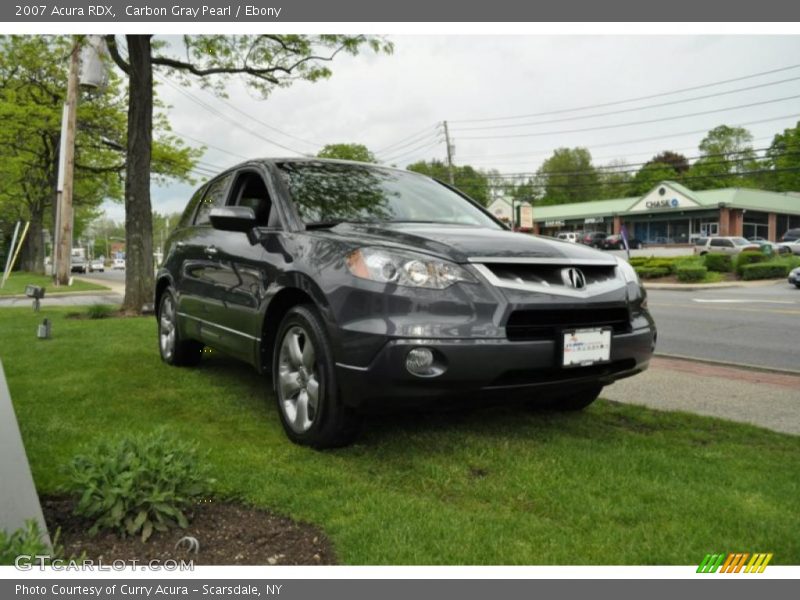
{"points": [[419, 361]]}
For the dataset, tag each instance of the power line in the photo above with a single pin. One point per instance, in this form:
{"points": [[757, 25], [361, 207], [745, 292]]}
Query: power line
{"points": [[430, 136], [413, 150], [627, 110], [628, 100], [413, 135], [630, 124]]}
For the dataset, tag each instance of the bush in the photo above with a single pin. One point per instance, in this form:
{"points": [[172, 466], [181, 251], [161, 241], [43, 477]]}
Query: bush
{"points": [[652, 272], [719, 263], [639, 261], [691, 273], [138, 484], [749, 257], [27, 541], [99, 311], [765, 270]]}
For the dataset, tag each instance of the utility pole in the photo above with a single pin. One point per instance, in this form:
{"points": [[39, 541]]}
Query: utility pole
{"points": [[66, 176], [450, 152]]}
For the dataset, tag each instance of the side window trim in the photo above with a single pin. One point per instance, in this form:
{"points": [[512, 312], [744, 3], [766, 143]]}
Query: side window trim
{"points": [[225, 193]]}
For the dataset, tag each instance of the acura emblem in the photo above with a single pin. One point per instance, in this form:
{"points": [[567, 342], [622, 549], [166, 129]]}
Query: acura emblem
{"points": [[574, 278]]}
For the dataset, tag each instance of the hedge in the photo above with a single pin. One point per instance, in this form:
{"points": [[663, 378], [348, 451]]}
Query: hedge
{"points": [[720, 263], [749, 258], [652, 272], [765, 270], [691, 273]]}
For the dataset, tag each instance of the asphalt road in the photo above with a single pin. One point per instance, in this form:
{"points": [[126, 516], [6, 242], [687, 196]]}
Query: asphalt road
{"points": [[756, 326]]}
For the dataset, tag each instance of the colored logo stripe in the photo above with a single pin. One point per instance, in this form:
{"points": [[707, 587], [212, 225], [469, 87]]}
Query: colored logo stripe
{"points": [[734, 562]]}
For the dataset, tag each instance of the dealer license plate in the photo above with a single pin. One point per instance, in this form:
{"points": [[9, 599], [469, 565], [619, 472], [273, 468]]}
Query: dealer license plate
{"points": [[584, 347]]}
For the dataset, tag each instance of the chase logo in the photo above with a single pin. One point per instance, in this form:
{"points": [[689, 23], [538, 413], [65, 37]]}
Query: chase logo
{"points": [[734, 562]]}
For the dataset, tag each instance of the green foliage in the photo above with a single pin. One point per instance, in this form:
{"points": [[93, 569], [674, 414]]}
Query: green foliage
{"points": [[719, 263], [28, 541], [357, 152], [748, 257], [471, 181], [99, 311], [784, 153], [726, 152], [649, 176], [691, 273], [765, 270], [652, 272], [568, 176], [138, 484]]}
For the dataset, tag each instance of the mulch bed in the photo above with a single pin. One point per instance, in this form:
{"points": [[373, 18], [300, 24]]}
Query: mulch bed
{"points": [[229, 533]]}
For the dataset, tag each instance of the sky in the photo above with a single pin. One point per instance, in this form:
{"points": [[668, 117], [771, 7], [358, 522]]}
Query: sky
{"points": [[395, 104]]}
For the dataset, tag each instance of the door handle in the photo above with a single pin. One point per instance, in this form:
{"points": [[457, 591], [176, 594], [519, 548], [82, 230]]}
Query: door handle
{"points": [[212, 250]]}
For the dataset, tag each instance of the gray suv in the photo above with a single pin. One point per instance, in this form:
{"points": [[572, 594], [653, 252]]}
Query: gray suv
{"points": [[357, 286]]}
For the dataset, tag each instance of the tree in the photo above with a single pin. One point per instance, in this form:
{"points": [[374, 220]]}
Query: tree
{"points": [[726, 153], [784, 153], [266, 61], [568, 176], [357, 152], [471, 181], [678, 162], [32, 90], [615, 178], [649, 176]]}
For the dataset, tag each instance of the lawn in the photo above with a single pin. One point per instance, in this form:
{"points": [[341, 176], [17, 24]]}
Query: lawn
{"points": [[18, 280], [615, 484]]}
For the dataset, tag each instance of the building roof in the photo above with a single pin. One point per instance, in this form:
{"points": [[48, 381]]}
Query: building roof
{"points": [[746, 198]]}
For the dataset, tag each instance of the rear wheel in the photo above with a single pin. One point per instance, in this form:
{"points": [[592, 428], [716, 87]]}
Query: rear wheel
{"points": [[309, 403], [577, 400], [174, 350]]}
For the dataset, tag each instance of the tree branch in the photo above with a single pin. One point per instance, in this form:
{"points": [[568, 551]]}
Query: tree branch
{"points": [[113, 50]]}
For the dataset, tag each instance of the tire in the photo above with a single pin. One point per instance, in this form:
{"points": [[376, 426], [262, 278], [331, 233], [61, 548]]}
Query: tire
{"points": [[578, 400], [304, 377], [797, 285], [639, 245], [174, 350]]}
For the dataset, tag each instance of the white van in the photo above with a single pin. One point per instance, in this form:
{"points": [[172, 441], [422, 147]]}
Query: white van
{"points": [[568, 236]]}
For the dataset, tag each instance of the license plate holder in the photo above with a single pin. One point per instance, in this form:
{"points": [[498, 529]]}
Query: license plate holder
{"points": [[585, 347]]}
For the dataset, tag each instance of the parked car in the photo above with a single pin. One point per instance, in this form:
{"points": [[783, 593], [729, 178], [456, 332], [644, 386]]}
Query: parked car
{"points": [[794, 277], [791, 235], [79, 264], [724, 245], [361, 286], [593, 238], [771, 247], [614, 242], [793, 246], [119, 263], [97, 265], [568, 236]]}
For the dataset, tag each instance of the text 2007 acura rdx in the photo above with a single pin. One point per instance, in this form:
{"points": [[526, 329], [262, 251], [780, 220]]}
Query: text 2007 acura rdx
{"points": [[357, 285]]}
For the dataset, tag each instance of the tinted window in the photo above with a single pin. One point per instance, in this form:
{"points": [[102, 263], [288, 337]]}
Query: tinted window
{"points": [[701, 242], [718, 242], [214, 197], [186, 217], [324, 192], [251, 191]]}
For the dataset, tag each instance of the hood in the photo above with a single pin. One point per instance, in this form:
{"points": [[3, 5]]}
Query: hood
{"points": [[459, 243]]}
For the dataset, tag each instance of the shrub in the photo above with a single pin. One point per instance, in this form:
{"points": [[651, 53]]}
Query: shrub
{"points": [[652, 272], [748, 258], [28, 541], [691, 273], [719, 263], [99, 311], [136, 485], [765, 270], [639, 261]]}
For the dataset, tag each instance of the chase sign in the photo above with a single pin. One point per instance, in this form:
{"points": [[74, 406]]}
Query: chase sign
{"points": [[663, 197]]}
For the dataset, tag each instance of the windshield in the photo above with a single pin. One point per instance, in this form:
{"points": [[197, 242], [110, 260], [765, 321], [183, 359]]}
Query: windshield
{"points": [[333, 192], [741, 242]]}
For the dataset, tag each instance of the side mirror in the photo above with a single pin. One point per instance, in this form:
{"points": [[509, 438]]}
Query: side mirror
{"points": [[232, 218]]}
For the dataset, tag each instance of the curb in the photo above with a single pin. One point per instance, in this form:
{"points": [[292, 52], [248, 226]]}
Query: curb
{"points": [[106, 292], [722, 285], [733, 365]]}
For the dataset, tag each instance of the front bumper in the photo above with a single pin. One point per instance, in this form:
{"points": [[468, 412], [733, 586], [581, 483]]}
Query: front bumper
{"points": [[486, 368]]}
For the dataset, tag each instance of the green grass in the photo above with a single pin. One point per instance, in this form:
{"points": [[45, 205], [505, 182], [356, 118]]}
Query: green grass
{"points": [[615, 484], [18, 280]]}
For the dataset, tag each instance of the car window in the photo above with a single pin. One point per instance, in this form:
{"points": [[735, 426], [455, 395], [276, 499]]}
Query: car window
{"points": [[740, 242], [213, 198], [186, 217], [251, 191], [717, 242], [701, 242], [332, 192]]}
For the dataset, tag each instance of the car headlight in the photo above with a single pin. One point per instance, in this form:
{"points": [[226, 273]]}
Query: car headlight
{"points": [[405, 268], [627, 271]]}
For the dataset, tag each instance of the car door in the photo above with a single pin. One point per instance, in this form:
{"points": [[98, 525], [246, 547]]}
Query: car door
{"points": [[243, 271]]}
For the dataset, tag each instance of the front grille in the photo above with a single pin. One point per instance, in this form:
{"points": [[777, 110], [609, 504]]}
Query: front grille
{"points": [[546, 324], [556, 374], [550, 274]]}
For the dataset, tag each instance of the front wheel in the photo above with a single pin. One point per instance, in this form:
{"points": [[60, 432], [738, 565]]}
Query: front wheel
{"points": [[174, 350], [309, 403]]}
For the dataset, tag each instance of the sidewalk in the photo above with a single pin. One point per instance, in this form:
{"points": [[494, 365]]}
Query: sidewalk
{"points": [[766, 399], [688, 287]]}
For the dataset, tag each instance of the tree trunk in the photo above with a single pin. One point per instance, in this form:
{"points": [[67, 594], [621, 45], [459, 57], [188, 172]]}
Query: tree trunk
{"points": [[139, 266], [32, 254]]}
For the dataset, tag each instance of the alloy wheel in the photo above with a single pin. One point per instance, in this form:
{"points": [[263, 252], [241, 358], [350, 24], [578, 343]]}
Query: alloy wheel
{"points": [[166, 328], [298, 380]]}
